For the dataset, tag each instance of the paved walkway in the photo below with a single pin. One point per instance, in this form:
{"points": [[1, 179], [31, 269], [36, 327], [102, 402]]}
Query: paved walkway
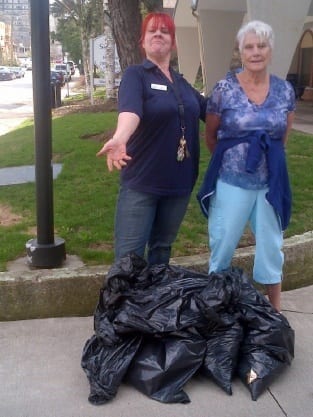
{"points": [[40, 375], [23, 174], [304, 117], [12, 115]]}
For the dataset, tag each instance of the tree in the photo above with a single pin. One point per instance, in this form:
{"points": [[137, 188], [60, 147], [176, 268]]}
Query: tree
{"points": [[120, 20], [88, 16], [126, 21], [68, 34], [126, 17], [153, 5], [109, 70]]}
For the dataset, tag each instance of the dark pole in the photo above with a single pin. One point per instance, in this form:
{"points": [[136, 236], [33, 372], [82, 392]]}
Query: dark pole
{"points": [[45, 251]]}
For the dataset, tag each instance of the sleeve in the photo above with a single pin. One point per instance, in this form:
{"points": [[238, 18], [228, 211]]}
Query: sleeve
{"points": [[214, 103], [130, 93], [291, 97]]}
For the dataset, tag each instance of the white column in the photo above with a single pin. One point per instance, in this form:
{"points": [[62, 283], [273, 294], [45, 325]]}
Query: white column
{"points": [[188, 46], [287, 18], [218, 31]]}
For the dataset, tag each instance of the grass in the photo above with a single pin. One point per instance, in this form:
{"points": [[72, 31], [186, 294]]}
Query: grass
{"points": [[85, 192]]}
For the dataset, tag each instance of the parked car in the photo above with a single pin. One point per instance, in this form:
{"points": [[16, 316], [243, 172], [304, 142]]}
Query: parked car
{"points": [[18, 71], [72, 67], [65, 70], [57, 77], [6, 74]]}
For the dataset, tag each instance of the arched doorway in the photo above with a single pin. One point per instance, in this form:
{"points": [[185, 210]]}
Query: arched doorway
{"points": [[305, 59], [300, 72]]}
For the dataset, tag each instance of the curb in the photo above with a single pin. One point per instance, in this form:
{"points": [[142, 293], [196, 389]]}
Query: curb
{"points": [[67, 292]]}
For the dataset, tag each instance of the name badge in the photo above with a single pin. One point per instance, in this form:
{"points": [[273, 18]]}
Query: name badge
{"points": [[159, 87]]}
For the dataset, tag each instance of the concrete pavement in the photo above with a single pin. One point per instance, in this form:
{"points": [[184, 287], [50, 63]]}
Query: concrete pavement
{"points": [[14, 114], [304, 117], [40, 375], [11, 116]]}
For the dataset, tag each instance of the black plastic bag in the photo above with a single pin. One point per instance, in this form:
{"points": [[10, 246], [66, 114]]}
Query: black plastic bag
{"points": [[161, 309], [220, 361], [106, 366], [223, 331], [162, 367], [268, 346], [162, 324], [265, 353], [258, 369], [159, 300]]}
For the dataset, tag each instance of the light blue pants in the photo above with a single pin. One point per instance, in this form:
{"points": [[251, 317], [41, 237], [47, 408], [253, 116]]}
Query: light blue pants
{"points": [[231, 208]]}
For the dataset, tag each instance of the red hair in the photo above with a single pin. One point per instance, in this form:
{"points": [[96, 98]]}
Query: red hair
{"points": [[159, 19]]}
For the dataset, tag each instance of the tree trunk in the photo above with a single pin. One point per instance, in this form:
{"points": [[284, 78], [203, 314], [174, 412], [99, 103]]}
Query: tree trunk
{"points": [[126, 24], [153, 5], [109, 66], [86, 64]]}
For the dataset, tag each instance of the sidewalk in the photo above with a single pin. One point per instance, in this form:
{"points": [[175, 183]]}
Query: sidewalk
{"points": [[304, 117], [40, 375], [11, 118], [13, 115]]}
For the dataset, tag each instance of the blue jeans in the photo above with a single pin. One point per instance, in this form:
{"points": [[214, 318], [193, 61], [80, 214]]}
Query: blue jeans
{"points": [[147, 224]]}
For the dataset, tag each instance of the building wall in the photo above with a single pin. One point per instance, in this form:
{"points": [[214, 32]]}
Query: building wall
{"points": [[287, 18], [2, 42], [217, 21], [217, 25], [56, 51], [17, 14], [6, 53], [14, 5], [2, 34]]}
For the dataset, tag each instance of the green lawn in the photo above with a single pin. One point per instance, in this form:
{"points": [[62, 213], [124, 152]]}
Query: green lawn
{"points": [[85, 192]]}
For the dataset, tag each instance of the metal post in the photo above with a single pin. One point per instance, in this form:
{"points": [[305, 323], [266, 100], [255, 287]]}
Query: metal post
{"points": [[45, 251], [68, 88]]}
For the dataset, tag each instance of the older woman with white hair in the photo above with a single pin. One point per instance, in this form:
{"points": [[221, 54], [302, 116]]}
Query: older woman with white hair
{"points": [[249, 115]]}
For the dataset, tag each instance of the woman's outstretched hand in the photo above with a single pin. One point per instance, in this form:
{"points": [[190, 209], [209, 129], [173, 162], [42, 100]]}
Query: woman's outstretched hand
{"points": [[116, 154]]}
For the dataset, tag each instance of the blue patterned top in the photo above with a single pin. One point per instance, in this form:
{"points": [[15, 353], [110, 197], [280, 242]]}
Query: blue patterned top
{"points": [[239, 116]]}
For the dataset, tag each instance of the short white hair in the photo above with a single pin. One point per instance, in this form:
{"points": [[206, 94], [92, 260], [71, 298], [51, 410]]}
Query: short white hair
{"points": [[261, 29]]}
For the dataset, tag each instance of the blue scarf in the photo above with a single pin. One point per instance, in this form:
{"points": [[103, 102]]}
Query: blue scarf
{"points": [[279, 194]]}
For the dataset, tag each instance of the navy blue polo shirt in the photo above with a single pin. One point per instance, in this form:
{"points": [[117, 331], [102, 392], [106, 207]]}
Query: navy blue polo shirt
{"points": [[146, 91]]}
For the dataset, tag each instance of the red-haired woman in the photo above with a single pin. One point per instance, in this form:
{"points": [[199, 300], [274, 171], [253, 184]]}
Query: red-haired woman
{"points": [[156, 147]]}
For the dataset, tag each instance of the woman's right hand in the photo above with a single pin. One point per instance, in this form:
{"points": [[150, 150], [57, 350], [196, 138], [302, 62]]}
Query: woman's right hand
{"points": [[116, 154]]}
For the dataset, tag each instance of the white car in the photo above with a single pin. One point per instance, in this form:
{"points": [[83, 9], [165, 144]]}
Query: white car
{"points": [[18, 71], [65, 70], [72, 67]]}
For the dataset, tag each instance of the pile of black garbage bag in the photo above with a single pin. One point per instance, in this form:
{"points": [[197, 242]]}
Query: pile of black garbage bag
{"points": [[157, 327]]}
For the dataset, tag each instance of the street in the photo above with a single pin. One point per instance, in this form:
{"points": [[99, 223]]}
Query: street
{"points": [[16, 101]]}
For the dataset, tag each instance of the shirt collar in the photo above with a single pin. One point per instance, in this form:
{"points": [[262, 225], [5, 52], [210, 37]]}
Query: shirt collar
{"points": [[147, 64]]}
